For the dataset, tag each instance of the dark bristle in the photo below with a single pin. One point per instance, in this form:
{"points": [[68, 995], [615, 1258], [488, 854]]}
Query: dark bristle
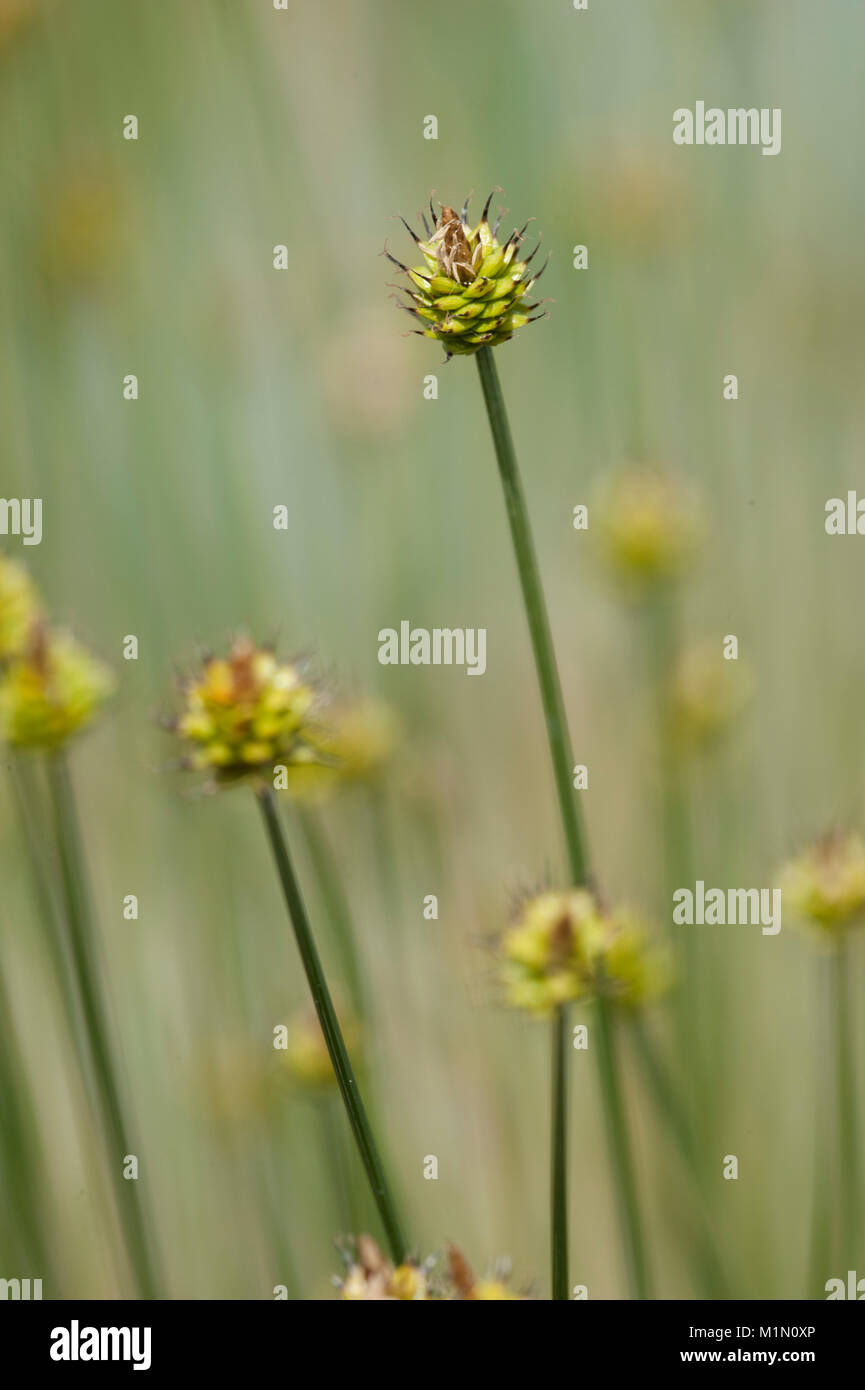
{"points": [[465, 211], [487, 203], [393, 260], [536, 250], [425, 226], [412, 234], [536, 278]]}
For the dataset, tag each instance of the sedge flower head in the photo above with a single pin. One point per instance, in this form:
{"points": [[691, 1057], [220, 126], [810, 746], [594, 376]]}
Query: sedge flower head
{"points": [[371, 1277], [463, 1286], [825, 884], [470, 289], [563, 948], [19, 608], [51, 691], [305, 1058], [353, 742], [647, 527], [246, 712], [707, 694]]}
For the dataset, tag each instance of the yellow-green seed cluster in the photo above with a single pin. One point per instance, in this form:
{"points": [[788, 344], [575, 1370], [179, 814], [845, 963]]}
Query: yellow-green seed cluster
{"points": [[825, 884], [470, 291], [246, 713], [50, 687], [562, 949], [647, 527]]}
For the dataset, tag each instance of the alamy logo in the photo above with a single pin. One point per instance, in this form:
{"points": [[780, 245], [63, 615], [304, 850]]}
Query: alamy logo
{"points": [[735, 907], [21, 516], [21, 1289], [736, 126], [855, 1287], [74, 1343], [439, 646]]}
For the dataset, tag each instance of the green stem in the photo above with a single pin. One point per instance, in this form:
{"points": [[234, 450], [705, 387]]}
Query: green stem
{"points": [[342, 1067], [668, 1104], [559, 1174], [575, 841], [848, 1139], [335, 902], [86, 972], [820, 1255]]}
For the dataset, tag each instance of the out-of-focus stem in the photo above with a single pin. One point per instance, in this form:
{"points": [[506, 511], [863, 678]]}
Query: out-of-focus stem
{"points": [[339, 1058], [86, 971], [561, 755], [848, 1135]]}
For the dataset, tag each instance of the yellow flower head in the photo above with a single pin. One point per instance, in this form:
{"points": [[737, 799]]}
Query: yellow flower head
{"points": [[371, 1277], [51, 691], [470, 290], [353, 742], [305, 1056], [707, 694], [245, 713], [463, 1286], [233, 1081], [563, 948], [19, 608], [647, 527], [634, 971], [549, 953], [825, 884]]}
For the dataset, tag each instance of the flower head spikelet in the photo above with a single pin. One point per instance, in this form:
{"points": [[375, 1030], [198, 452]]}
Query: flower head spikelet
{"points": [[51, 691], [563, 947], [470, 289], [825, 884], [370, 1277], [19, 608], [647, 527], [246, 712]]}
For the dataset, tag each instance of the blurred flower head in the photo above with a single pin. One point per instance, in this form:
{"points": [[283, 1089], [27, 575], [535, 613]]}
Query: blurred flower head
{"points": [[562, 948], [353, 741], [825, 884], [233, 1081], [19, 608], [15, 17], [469, 291], [52, 690], [305, 1058], [370, 1276], [80, 240], [707, 694], [246, 712], [463, 1286], [646, 527]]}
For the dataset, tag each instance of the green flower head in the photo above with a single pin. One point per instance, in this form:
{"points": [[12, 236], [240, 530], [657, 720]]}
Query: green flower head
{"points": [[825, 884], [470, 290], [564, 948], [51, 691]]}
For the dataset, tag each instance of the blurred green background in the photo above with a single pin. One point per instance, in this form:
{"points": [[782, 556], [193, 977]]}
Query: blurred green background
{"points": [[260, 387]]}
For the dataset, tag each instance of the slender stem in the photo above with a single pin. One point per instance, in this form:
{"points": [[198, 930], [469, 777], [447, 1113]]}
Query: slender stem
{"points": [[335, 902], [668, 1103], [559, 1173], [820, 1255], [536, 614], [562, 759], [86, 971], [848, 1138], [342, 1067]]}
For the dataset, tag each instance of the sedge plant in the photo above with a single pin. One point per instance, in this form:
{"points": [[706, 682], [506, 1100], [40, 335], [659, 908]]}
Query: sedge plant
{"points": [[469, 292], [51, 690], [249, 718]]}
